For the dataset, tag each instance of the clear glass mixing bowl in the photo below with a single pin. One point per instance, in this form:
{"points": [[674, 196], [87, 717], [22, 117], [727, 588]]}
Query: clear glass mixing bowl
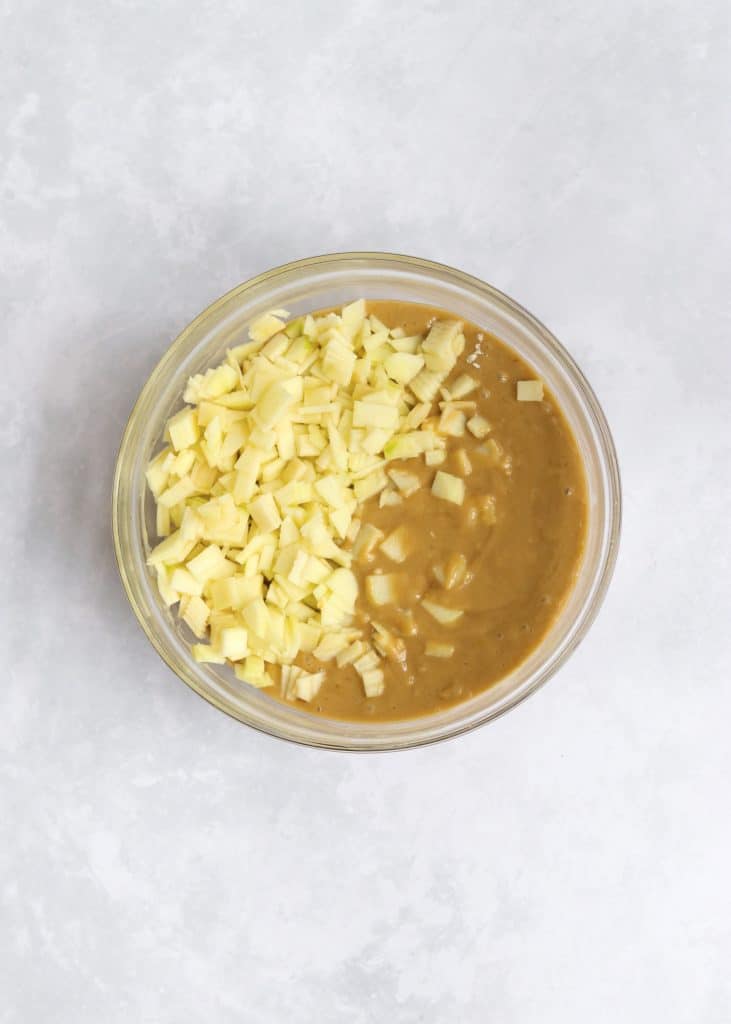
{"points": [[329, 281]]}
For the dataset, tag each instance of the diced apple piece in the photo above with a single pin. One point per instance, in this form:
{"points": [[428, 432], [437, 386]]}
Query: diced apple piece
{"points": [[370, 485], [330, 645], [452, 423], [341, 519], [185, 583], [196, 614], [462, 462], [530, 390], [252, 669], [381, 588], [265, 513], [439, 348], [397, 545], [344, 585], [404, 446], [177, 492], [446, 616], [235, 591], [388, 497], [434, 649], [367, 661], [462, 386], [309, 636], [403, 366], [307, 685], [448, 487], [257, 617], [388, 645], [338, 362], [454, 571], [209, 564], [233, 643], [426, 384], [435, 458], [204, 654], [351, 653], [273, 406], [266, 326], [352, 317], [373, 414], [373, 682], [171, 550], [406, 482], [478, 427], [365, 543], [183, 429], [157, 473]]}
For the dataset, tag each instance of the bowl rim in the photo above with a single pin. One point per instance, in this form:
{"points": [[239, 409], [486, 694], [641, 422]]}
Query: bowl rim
{"points": [[599, 421]]}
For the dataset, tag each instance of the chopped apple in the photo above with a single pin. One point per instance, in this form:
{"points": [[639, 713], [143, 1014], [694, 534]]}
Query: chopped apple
{"points": [[183, 429], [266, 326], [389, 496], [373, 682], [530, 391], [196, 614], [454, 571], [233, 643], [478, 427], [397, 545], [462, 462], [446, 616], [448, 487], [308, 684], [434, 649], [171, 550], [265, 513], [403, 366], [406, 482], [365, 543], [204, 654], [462, 386], [185, 583], [381, 588], [435, 458]]}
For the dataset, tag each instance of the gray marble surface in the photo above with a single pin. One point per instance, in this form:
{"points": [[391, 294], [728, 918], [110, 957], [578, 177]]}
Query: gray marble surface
{"points": [[160, 862]]}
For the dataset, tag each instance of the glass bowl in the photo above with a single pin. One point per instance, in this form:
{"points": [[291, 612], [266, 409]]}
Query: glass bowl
{"points": [[316, 283]]}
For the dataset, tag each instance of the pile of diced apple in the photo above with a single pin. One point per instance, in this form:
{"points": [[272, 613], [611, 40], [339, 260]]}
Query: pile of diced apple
{"points": [[259, 487]]}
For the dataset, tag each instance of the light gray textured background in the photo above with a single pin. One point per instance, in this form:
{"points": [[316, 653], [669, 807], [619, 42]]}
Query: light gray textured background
{"points": [[161, 863]]}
